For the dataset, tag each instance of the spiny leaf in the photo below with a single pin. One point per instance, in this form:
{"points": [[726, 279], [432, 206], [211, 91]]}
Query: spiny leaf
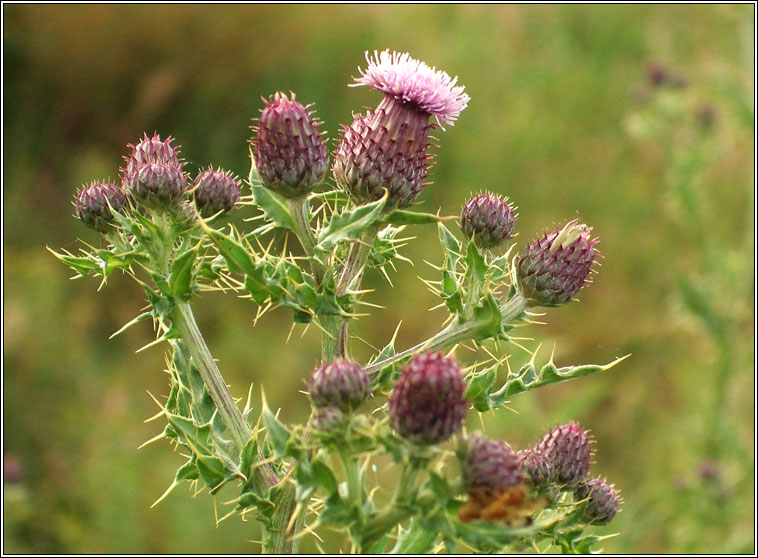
{"points": [[180, 280], [349, 224], [405, 217], [273, 205]]}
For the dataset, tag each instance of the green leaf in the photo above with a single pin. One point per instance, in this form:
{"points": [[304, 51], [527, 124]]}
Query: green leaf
{"points": [[180, 280], [490, 315], [324, 476], [110, 262], [414, 540], [273, 206], [236, 256], [478, 391], [405, 217], [475, 264], [82, 266], [527, 378], [349, 225], [278, 434]]}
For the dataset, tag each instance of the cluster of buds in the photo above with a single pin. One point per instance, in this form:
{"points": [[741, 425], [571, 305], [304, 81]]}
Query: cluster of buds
{"points": [[154, 177], [153, 174], [554, 268], [387, 148], [336, 389], [94, 204], [427, 404], [288, 150], [488, 220]]}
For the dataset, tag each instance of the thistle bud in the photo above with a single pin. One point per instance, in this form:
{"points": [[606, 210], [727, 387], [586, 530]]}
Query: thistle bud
{"points": [[340, 384], [289, 153], [537, 466], [153, 173], [93, 204], [553, 269], [567, 447], [490, 464], [386, 149], [329, 420], [215, 191], [488, 220], [603, 500], [427, 404]]}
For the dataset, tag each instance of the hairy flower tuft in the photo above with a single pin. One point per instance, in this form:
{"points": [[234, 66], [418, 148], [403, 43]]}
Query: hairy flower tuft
{"points": [[603, 500], [341, 384], [553, 269], [288, 150], [214, 191], [408, 80], [567, 447], [488, 219], [427, 404], [94, 202], [490, 464]]}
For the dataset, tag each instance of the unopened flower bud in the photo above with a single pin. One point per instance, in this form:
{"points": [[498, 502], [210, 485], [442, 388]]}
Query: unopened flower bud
{"points": [[554, 268], [567, 447], [386, 149], [603, 500], [339, 384], [94, 202], [488, 220], [537, 465], [427, 404], [153, 173], [289, 153], [215, 191], [329, 420], [490, 464]]}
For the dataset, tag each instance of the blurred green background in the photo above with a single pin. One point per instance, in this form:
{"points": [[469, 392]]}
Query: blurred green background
{"points": [[565, 116]]}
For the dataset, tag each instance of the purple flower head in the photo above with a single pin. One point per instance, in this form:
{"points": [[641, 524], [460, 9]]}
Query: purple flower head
{"points": [[407, 80], [427, 404], [490, 464], [537, 466], [488, 219], [554, 268], [94, 202], [603, 500], [567, 447], [214, 191], [340, 383], [154, 174], [288, 149]]}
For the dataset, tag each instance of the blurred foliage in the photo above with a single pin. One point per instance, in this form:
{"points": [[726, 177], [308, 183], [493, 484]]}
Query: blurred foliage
{"points": [[560, 96]]}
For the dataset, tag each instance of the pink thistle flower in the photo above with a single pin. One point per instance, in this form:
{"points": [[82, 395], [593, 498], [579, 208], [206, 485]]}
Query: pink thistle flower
{"points": [[412, 81]]}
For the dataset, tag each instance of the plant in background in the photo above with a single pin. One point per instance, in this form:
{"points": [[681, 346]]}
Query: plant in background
{"points": [[165, 229]]}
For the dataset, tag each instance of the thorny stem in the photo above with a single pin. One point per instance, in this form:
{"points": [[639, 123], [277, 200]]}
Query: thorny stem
{"points": [[453, 334]]}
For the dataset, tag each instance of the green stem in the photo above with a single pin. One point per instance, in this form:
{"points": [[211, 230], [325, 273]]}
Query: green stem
{"points": [[453, 334], [300, 216], [352, 474]]}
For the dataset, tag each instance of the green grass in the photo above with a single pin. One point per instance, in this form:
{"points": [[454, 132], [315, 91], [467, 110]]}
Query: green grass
{"points": [[552, 90]]}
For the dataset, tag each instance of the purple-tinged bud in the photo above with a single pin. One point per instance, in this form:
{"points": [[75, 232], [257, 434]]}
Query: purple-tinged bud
{"points": [[490, 464], [537, 465], [94, 202], [427, 404], [153, 173], [329, 420], [554, 268], [603, 500], [567, 447], [488, 220], [341, 384], [215, 191], [386, 149], [288, 151]]}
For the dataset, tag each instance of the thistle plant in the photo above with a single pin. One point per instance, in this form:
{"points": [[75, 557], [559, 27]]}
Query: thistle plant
{"points": [[165, 228]]}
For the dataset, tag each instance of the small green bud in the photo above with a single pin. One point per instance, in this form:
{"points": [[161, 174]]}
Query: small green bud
{"points": [[215, 191], [339, 384], [488, 220], [329, 420], [603, 500]]}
